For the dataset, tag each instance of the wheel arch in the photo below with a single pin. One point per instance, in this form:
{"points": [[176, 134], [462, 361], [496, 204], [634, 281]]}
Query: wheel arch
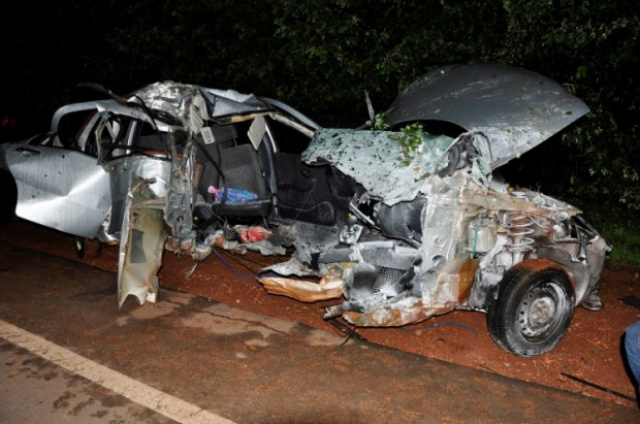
{"points": [[539, 264]]}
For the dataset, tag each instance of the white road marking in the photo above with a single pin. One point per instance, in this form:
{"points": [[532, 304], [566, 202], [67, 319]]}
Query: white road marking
{"points": [[156, 400]]}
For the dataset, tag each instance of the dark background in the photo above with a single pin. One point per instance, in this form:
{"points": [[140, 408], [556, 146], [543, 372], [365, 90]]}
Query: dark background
{"points": [[320, 55]]}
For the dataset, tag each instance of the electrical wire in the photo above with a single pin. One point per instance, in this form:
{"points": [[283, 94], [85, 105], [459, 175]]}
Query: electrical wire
{"points": [[233, 271], [236, 258]]}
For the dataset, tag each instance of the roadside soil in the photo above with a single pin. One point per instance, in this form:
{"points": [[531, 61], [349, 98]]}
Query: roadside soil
{"points": [[591, 350]]}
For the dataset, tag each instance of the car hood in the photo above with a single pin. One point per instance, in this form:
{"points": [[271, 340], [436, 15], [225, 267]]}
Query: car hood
{"points": [[507, 110], [514, 108]]}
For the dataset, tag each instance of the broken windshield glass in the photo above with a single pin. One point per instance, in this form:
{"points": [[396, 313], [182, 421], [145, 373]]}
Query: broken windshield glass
{"points": [[377, 160]]}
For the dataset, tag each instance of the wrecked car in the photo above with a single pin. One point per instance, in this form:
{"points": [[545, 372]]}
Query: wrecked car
{"points": [[397, 221]]}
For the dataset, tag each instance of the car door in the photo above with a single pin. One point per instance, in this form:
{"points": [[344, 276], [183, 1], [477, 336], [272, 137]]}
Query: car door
{"points": [[59, 188], [59, 181]]}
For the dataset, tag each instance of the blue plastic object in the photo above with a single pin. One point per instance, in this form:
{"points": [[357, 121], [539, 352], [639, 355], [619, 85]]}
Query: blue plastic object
{"points": [[234, 195]]}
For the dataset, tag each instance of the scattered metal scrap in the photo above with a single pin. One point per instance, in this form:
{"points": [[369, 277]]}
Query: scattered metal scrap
{"points": [[348, 332]]}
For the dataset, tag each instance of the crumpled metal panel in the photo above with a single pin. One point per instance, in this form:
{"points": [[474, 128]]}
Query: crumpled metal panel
{"points": [[305, 291], [60, 189], [191, 104], [291, 267], [179, 197], [230, 102], [515, 108], [376, 160], [143, 230], [399, 311]]}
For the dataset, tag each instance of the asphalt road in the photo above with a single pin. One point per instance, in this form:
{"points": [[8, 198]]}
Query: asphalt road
{"points": [[68, 354]]}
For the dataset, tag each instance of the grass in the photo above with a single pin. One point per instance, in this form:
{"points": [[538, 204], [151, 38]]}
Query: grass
{"points": [[621, 230]]}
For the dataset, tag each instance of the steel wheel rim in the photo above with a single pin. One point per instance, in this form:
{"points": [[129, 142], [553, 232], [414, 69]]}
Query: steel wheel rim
{"points": [[541, 310]]}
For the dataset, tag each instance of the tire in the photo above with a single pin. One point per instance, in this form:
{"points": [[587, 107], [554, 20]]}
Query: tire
{"points": [[87, 248], [534, 308]]}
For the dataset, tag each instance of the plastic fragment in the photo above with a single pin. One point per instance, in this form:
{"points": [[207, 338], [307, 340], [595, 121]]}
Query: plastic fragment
{"points": [[234, 195]]}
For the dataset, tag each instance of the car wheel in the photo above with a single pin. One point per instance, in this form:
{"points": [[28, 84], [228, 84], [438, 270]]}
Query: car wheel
{"points": [[534, 308], [87, 248]]}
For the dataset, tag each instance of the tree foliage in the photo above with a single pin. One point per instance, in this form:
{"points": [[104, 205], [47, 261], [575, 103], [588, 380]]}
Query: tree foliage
{"points": [[592, 48]]}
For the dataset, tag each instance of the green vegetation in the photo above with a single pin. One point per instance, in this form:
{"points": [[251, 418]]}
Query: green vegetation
{"points": [[380, 122], [622, 233], [410, 138]]}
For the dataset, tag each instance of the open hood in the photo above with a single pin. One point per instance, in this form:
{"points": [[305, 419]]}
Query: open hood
{"points": [[514, 108]]}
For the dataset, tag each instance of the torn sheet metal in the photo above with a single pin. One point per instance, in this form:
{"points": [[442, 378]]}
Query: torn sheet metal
{"points": [[525, 201], [385, 253], [449, 285], [442, 220], [265, 248], [305, 291], [231, 102], [143, 234], [291, 267], [178, 214], [190, 105], [309, 240], [376, 160], [515, 108], [402, 310]]}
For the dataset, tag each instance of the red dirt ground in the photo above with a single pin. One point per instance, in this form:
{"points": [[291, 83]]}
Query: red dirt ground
{"points": [[591, 350]]}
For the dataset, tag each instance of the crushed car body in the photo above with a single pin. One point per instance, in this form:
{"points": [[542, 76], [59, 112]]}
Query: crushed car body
{"points": [[396, 224], [131, 171]]}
